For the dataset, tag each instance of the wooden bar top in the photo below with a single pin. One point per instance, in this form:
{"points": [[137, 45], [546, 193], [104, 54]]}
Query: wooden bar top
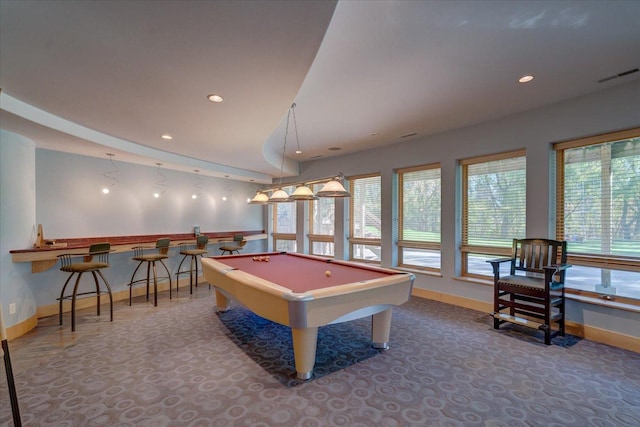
{"points": [[46, 257]]}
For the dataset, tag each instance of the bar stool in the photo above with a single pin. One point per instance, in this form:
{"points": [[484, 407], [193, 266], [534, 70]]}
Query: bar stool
{"points": [[93, 262], [162, 246], [239, 241], [188, 251]]}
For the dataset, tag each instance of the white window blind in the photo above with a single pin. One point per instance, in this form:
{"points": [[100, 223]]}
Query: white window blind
{"points": [[494, 201], [600, 210], [322, 214], [365, 207], [285, 215], [420, 205]]}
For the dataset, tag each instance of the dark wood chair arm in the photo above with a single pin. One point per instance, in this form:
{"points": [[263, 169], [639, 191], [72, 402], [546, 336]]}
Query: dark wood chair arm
{"points": [[557, 267], [499, 260]]}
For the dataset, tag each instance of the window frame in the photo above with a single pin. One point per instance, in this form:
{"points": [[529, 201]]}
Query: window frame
{"points": [[276, 235], [353, 241], [315, 237], [595, 260], [416, 244], [467, 249]]}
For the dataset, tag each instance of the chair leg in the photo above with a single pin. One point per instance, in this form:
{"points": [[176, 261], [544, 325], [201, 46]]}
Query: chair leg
{"points": [[62, 295], [561, 307], [73, 303], [193, 260], [104, 279], [95, 279], [197, 274], [178, 273], [131, 282], [168, 274], [155, 284], [496, 306], [149, 272]]}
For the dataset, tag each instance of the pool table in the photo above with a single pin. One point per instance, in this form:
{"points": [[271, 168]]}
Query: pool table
{"points": [[305, 292]]}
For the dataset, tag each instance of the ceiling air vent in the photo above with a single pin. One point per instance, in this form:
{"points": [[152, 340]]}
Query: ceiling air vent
{"points": [[408, 135], [626, 73]]}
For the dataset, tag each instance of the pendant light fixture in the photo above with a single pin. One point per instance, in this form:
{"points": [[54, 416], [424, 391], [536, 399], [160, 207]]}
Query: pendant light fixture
{"points": [[334, 188], [281, 196], [259, 199]]}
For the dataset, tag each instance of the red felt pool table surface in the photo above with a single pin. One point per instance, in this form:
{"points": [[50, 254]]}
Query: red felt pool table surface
{"points": [[303, 273], [293, 290]]}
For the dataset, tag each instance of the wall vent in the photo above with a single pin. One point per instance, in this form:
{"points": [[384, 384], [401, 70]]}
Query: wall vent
{"points": [[625, 73], [408, 135]]}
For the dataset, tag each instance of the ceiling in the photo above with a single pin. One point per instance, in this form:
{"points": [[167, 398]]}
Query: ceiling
{"points": [[112, 76]]}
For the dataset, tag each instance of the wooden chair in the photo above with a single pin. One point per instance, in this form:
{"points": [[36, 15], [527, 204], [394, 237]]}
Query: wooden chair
{"points": [[162, 250], [92, 262], [532, 294], [239, 241], [188, 250]]}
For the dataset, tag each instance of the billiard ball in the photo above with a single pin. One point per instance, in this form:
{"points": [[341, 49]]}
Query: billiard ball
{"points": [[327, 273]]}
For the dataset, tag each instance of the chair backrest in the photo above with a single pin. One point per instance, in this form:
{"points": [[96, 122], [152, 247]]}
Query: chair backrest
{"points": [[100, 252], [532, 255], [201, 241], [163, 245], [238, 237]]}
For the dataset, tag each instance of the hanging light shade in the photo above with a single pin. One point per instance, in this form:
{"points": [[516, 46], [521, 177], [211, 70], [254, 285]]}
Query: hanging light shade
{"points": [[333, 188], [279, 196], [259, 199], [303, 193]]}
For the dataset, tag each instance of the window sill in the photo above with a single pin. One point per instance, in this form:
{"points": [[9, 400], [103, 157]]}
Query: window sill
{"points": [[474, 280], [605, 301], [418, 271]]}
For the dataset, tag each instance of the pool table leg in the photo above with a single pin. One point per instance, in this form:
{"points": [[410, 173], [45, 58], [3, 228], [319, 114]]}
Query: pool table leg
{"points": [[222, 302], [304, 351], [381, 329]]}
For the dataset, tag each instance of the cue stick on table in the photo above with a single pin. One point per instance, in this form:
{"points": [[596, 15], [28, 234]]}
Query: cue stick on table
{"points": [[7, 366]]}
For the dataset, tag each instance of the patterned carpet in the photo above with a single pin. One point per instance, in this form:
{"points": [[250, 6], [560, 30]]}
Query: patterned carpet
{"points": [[183, 364]]}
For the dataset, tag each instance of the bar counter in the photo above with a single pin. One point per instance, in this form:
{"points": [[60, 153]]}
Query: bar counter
{"points": [[45, 257]]}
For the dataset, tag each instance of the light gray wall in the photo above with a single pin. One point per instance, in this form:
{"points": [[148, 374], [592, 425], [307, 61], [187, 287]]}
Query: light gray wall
{"points": [[605, 111], [70, 202], [62, 192], [17, 218]]}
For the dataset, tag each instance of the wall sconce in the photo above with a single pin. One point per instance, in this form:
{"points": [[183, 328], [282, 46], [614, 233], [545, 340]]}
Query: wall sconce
{"points": [[112, 175], [161, 187], [197, 186]]}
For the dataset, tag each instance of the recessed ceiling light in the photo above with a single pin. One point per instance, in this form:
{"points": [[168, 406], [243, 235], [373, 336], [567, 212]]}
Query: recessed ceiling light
{"points": [[215, 98], [167, 137], [525, 79]]}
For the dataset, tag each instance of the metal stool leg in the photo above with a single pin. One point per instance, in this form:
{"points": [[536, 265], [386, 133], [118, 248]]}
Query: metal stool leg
{"points": [[13, 395], [62, 295]]}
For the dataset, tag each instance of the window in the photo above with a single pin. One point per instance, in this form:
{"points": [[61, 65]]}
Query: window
{"points": [[419, 213], [493, 209], [284, 225], [364, 214], [322, 224], [598, 212]]}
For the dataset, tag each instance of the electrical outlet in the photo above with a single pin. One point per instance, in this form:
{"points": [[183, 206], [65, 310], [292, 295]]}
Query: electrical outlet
{"points": [[12, 308]]}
